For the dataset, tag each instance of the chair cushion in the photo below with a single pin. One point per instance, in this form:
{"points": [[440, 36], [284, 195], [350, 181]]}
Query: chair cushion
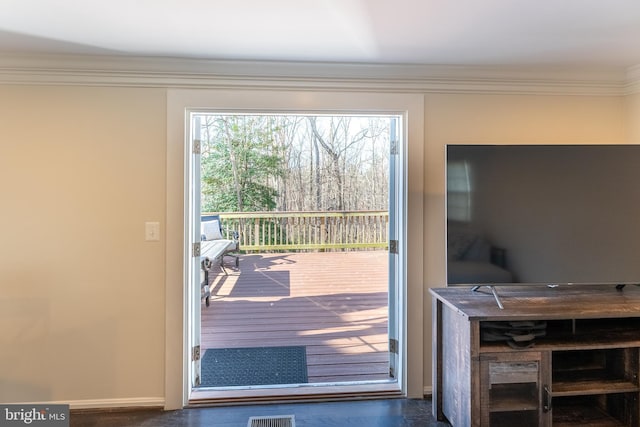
{"points": [[211, 230]]}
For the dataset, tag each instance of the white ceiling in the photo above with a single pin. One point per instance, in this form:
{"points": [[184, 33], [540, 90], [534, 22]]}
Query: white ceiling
{"points": [[578, 33]]}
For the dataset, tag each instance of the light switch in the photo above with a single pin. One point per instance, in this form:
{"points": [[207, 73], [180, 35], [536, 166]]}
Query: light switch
{"points": [[152, 231]]}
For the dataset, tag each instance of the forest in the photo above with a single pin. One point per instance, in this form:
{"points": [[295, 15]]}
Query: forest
{"points": [[268, 162]]}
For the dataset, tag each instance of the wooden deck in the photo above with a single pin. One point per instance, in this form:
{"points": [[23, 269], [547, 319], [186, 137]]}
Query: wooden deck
{"points": [[334, 303]]}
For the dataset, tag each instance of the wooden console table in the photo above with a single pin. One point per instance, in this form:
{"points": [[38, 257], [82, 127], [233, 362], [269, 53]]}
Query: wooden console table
{"points": [[585, 371]]}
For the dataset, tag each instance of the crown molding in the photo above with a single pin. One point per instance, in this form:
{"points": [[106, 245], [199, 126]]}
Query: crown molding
{"points": [[633, 80], [123, 71]]}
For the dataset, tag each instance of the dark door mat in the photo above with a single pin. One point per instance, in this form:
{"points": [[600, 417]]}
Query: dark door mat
{"points": [[226, 367]]}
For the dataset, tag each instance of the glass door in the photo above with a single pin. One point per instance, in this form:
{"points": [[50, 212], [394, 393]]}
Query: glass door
{"points": [[196, 272], [294, 187]]}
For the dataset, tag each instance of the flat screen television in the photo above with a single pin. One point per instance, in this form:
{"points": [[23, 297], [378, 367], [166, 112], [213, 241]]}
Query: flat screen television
{"points": [[543, 214]]}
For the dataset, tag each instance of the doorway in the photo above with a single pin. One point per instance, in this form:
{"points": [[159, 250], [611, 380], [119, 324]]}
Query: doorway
{"points": [[414, 378], [313, 202]]}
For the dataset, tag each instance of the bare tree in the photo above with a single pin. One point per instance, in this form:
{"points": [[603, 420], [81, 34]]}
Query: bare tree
{"points": [[304, 162]]}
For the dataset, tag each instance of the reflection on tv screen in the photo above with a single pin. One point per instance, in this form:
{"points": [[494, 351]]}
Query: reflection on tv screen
{"points": [[543, 214]]}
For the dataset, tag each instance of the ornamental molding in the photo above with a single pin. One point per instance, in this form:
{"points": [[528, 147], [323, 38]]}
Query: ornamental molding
{"points": [[123, 71], [633, 80]]}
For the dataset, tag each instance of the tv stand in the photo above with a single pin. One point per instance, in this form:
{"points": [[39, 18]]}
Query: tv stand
{"points": [[493, 291], [492, 288], [584, 371]]}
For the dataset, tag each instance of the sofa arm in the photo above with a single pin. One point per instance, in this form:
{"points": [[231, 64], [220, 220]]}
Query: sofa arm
{"points": [[499, 256]]}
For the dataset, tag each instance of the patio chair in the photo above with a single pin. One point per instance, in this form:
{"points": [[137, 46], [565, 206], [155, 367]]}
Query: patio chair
{"points": [[213, 248], [213, 243]]}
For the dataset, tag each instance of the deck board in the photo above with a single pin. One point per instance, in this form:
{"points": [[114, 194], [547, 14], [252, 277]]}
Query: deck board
{"points": [[334, 303]]}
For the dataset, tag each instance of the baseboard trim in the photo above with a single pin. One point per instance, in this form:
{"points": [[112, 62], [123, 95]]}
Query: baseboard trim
{"points": [[143, 402], [427, 391]]}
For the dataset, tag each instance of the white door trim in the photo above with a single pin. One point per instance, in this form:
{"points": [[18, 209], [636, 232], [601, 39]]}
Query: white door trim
{"points": [[178, 102]]}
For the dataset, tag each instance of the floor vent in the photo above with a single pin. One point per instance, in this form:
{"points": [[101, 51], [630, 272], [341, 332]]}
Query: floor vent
{"points": [[275, 421]]}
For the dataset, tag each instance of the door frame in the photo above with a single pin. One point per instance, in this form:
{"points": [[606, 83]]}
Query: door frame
{"points": [[180, 103]]}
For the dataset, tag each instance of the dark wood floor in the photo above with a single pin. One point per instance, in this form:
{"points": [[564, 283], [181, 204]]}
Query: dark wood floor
{"points": [[368, 413], [333, 303]]}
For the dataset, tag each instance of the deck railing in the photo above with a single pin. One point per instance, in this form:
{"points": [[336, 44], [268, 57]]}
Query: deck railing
{"points": [[296, 231]]}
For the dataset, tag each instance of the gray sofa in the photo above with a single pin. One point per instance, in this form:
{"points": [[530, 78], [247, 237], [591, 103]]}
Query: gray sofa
{"points": [[471, 260]]}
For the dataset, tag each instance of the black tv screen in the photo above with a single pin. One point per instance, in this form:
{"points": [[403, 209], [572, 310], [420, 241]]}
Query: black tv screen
{"points": [[543, 214]]}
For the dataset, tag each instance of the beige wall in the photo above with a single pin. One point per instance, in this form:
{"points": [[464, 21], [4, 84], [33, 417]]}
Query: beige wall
{"points": [[82, 307], [633, 117], [81, 292], [500, 119]]}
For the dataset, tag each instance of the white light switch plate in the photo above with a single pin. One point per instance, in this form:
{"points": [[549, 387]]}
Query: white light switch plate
{"points": [[152, 231]]}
